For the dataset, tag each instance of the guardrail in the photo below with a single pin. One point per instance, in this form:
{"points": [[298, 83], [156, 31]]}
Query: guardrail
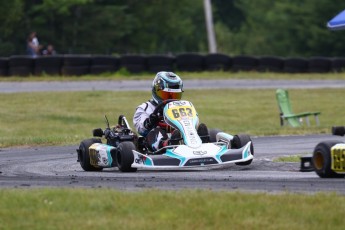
{"points": [[96, 64]]}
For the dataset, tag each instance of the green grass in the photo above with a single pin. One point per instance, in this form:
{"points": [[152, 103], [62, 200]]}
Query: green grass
{"points": [[291, 159], [125, 75], [110, 209], [60, 118]]}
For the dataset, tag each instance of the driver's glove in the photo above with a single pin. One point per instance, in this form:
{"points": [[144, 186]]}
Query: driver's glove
{"points": [[151, 121]]}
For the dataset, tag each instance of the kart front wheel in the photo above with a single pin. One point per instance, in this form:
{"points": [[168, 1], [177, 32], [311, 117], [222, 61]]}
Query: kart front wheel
{"points": [[125, 157], [322, 160], [238, 142], [83, 154]]}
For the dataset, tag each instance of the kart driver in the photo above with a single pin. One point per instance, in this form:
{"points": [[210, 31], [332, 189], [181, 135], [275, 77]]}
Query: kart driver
{"points": [[166, 85]]}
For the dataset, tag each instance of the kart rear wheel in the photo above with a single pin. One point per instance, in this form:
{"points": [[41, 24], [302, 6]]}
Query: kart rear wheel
{"points": [[322, 160], [203, 133], [125, 157], [83, 154], [213, 134], [238, 142]]}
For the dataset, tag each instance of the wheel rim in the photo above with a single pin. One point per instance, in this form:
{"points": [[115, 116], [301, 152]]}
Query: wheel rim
{"points": [[318, 161]]}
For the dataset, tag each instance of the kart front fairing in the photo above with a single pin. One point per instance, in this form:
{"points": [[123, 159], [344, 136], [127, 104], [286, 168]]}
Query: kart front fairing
{"points": [[182, 157]]}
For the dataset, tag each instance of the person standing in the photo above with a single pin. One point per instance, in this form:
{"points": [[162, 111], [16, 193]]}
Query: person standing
{"points": [[33, 46]]}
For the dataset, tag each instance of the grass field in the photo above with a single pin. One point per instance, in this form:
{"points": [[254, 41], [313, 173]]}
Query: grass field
{"points": [[61, 118], [150, 209]]}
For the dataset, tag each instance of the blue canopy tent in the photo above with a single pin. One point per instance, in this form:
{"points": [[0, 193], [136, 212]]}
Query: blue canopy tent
{"points": [[338, 22]]}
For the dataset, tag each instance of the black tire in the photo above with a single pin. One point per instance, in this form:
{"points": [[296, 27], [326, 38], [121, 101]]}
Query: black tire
{"points": [[76, 65], [245, 63], [213, 134], [48, 70], [238, 142], [77, 60], [21, 65], [338, 130], [103, 60], [104, 64], [157, 63], [75, 70], [134, 63], [99, 69], [20, 71], [3, 66], [52, 61], [271, 64], [295, 65], [190, 62], [319, 65], [125, 157], [203, 133], [48, 65], [217, 62], [338, 65], [322, 160], [84, 157]]}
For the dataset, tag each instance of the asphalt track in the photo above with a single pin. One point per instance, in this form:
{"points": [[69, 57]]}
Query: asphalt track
{"points": [[138, 85], [57, 167]]}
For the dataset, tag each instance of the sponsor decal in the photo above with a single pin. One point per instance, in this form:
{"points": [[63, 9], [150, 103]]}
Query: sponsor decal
{"points": [[94, 157], [179, 103], [201, 161], [199, 152], [204, 160], [140, 159]]}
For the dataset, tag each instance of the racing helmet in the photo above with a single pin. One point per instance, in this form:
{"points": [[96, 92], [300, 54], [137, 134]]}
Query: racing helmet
{"points": [[166, 85]]}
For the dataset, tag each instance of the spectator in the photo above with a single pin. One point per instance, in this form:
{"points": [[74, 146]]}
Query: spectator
{"points": [[49, 50], [33, 46]]}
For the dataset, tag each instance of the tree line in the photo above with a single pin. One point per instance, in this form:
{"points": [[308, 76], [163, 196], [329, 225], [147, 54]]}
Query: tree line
{"points": [[260, 27]]}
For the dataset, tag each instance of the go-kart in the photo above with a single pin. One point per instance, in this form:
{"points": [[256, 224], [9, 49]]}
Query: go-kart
{"points": [[194, 147], [329, 156]]}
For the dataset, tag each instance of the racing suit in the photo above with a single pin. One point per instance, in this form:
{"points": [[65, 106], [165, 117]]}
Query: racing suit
{"points": [[153, 136]]}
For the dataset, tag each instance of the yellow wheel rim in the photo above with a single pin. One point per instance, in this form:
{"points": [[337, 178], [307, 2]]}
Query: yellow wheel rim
{"points": [[318, 160]]}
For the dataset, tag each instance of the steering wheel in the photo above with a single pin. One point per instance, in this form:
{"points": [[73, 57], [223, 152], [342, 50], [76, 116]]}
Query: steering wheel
{"points": [[160, 106], [159, 112]]}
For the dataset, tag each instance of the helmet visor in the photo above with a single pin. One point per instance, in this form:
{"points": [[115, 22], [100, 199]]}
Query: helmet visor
{"points": [[164, 95]]}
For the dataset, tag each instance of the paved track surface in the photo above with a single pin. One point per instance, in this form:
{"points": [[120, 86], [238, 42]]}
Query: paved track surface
{"points": [[15, 87], [57, 167]]}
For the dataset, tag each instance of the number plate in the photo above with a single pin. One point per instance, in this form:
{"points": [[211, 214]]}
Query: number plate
{"points": [[338, 158]]}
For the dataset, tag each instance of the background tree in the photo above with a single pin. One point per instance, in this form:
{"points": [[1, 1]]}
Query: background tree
{"points": [[285, 28]]}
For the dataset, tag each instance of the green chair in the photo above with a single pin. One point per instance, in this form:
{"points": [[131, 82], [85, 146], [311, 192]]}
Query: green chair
{"points": [[286, 114]]}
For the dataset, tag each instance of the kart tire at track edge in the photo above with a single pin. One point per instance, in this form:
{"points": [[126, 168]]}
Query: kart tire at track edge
{"points": [[84, 156], [125, 157], [239, 141], [322, 160]]}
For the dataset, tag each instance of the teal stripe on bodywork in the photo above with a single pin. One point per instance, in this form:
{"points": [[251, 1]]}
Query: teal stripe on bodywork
{"points": [[223, 150], [110, 159], [169, 153], [246, 152], [148, 162]]}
